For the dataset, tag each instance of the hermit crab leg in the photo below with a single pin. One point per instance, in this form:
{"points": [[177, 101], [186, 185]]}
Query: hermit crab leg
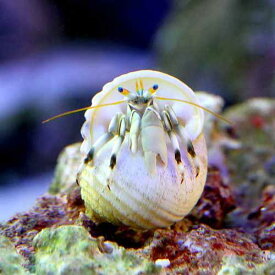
{"points": [[112, 131], [190, 147], [121, 134], [174, 141], [180, 130], [97, 145]]}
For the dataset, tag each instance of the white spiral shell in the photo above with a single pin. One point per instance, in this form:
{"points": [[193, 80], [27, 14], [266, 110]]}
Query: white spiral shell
{"points": [[129, 194]]}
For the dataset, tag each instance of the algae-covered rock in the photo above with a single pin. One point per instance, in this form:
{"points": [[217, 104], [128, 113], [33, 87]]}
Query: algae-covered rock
{"points": [[55, 236], [71, 250], [49, 211], [202, 249], [216, 201], [252, 166], [64, 250], [10, 261], [261, 222], [233, 265]]}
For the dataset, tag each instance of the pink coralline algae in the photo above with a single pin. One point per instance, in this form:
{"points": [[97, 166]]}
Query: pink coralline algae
{"points": [[262, 220], [203, 248]]}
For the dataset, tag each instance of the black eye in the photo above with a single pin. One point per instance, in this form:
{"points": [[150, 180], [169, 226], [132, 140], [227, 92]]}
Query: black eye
{"points": [[120, 89]]}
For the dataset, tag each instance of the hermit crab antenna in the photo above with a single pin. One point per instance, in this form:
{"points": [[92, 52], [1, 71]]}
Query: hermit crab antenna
{"points": [[139, 86], [83, 109], [196, 105]]}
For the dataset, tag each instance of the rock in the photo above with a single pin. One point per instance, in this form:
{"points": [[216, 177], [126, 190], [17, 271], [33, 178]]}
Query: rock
{"points": [[204, 249], [216, 202], [237, 265], [261, 220], [10, 261], [22, 228], [71, 250], [251, 166], [230, 231]]}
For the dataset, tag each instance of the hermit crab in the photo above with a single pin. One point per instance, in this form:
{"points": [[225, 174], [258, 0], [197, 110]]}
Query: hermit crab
{"points": [[145, 160]]}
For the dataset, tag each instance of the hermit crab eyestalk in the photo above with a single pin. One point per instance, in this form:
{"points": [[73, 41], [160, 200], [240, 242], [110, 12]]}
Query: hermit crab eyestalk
{"points": [[123, 91], [153, 89]]}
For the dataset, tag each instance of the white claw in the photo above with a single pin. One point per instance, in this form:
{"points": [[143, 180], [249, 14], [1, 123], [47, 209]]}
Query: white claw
{"points": [[151, 162], [134, 131], [153, 137]]}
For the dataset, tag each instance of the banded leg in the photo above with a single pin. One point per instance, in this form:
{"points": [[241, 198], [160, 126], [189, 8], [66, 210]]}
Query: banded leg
{"points": [[112, 131], [121, 134], [180, 130], [174, 140]]}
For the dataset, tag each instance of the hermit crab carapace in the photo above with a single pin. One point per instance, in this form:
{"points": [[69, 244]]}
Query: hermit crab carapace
{"points": [[146, 157]]}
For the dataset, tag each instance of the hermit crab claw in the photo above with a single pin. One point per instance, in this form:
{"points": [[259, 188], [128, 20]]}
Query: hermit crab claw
{"points": [[153, 139]]}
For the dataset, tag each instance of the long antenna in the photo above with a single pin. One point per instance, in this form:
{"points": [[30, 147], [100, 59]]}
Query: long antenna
{"points": [[83, 109], [196, 105]]}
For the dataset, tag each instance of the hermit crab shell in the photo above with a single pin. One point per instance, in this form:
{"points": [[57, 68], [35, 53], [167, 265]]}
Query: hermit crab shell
{"points": [[129, 194]]}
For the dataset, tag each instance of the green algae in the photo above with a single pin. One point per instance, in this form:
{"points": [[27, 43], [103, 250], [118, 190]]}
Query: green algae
{"points": [[236, 265], [71, 250], [10, 261]]}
